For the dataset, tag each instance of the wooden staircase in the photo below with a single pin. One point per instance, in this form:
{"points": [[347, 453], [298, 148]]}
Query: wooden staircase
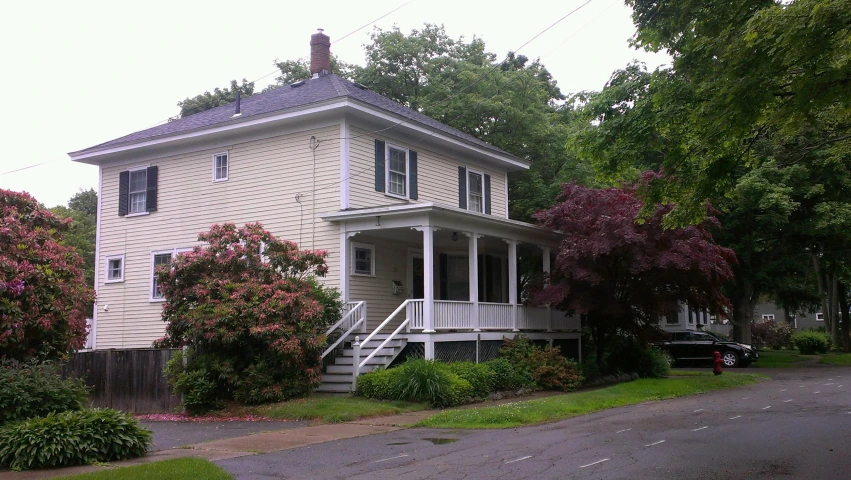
{"points": [[338, 377]]}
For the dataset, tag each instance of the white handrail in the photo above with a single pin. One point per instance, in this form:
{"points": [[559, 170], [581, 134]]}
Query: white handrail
{"points": [[386, 321], [391, 337], [345, 317], [357, 308]]}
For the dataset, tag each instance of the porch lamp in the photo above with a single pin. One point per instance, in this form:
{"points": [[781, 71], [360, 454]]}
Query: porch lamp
{"points": [[454, 236]]}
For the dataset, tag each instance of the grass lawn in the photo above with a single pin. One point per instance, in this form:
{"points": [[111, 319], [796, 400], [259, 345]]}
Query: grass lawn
{"points": [[780, 358], [550, 409], [836, 359], [332, 409], [176, 469]]}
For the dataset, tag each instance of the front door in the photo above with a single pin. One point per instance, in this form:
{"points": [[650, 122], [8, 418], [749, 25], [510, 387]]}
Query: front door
{"points": [[417, 278]]}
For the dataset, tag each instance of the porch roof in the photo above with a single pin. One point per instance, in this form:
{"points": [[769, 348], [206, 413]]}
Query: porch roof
{"points": [[431, 214]]}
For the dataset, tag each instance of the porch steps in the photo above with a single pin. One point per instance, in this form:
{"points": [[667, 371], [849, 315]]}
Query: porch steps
{"points": [[338, 377]]}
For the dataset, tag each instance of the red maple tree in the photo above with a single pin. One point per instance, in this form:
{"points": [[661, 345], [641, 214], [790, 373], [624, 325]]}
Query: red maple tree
{"points": [[622, 271]]}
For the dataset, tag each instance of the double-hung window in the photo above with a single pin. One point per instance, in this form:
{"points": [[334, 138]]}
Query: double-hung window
{"points": [[138, 191], [163, 257], [220, 167], [114, 269], [397, 171], [363, 259], [476, 191]]}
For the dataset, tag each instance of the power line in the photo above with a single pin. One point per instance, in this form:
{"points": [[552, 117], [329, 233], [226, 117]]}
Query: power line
{"points": [[30, 166]]}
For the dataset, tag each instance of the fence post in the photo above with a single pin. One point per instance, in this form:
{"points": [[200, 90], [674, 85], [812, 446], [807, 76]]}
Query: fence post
{"points": [[355, 362]]}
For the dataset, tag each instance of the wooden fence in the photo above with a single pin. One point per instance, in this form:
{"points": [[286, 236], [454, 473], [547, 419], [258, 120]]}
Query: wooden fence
{"points": [[127, 380]]}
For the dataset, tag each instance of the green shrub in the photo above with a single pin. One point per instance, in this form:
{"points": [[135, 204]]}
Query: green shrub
{"points": [[431, 382], [811, 342], [417, 380], [631, 356], [197, 387], [33, 389], [507, 376], [379, 384], [547, 366], [590, 370], [480, 376], [72, 438]]}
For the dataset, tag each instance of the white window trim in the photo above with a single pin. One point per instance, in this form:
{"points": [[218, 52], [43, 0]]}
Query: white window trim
{"points": [[129, 194], [768, 316], [109, 258], [407, 195], [365, 246], [469, 194], [227, 156], [174, 253], [819, 315]]}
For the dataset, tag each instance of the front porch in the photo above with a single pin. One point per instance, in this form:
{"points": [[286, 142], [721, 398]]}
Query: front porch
{"points": [[433, 275]]}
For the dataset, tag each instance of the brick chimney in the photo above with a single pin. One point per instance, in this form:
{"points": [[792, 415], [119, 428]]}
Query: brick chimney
{"points": [[320, 54]]}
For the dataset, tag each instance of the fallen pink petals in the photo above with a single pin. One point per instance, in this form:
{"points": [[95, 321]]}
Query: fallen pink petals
{"points": [[171, 417]]}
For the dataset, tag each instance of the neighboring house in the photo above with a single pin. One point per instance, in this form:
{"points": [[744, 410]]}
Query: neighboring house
{"points": [[801, 320], [413, 214], [687, 318]]}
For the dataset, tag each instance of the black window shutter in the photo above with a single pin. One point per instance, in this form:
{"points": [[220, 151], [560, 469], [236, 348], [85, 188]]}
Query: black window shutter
{"points": [[443, 261], [487, 194], [412, 166], [151, 190], [379, 166], [462, 187], [123, 192]]}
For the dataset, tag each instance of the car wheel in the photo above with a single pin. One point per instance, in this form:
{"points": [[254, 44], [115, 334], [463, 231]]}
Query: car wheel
{"points": [[730, 359], [669, 358]]}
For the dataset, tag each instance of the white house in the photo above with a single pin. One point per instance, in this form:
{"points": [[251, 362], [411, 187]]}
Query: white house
{"points": [[413, 214]]}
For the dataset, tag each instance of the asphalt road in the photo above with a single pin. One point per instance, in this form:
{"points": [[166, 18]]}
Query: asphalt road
{"points": [[796, 426]]}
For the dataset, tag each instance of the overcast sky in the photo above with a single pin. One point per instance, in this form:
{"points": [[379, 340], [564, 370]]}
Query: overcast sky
{"points": [[80, 73]]}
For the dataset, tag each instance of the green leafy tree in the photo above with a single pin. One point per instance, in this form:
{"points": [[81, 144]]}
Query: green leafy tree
{"points": [[252, 315], [295, 70], [216, 98], [43, 295]]}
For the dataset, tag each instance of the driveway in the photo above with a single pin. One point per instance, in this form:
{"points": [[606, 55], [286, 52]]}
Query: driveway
{"points": [[798, 425]]}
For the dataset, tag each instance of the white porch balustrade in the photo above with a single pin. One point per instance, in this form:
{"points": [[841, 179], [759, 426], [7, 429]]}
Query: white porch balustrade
{"points": [[414, 313], [496, 316], [452, 315], [532, 318]]}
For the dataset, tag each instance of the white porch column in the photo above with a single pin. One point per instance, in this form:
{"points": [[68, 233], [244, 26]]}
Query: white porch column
{"points": [[512, 281], [546, 266], [428, 283], [344, 264], [473, 252]]}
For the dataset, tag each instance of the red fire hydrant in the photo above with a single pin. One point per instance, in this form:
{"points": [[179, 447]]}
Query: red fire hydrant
{"points": [[718, 370]]}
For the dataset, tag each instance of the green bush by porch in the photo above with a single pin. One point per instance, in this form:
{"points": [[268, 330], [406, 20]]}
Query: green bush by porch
{"points": [[550, 409]]}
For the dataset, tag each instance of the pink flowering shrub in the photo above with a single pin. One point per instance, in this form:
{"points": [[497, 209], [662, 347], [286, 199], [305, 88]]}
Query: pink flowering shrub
{"points": [[254, 321], [43, 295]]}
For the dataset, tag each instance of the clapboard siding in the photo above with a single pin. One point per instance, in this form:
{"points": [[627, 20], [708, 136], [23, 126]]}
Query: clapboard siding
{"points": [[264, 178], [437, 176], [391, 263]]}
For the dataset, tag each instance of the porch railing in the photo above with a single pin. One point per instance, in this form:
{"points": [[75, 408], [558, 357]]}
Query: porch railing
{"points": [[414, 312], [354, 316], [532, 318], [496, 316], [357, 363], [451, 315]]}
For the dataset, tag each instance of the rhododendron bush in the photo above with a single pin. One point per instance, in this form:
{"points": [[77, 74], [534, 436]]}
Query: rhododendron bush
{"points": [[43, 295], [252, 315]]}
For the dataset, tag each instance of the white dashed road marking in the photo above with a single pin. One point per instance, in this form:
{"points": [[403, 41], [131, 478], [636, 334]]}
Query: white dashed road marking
{"points": [[783, 390], [624, 430], [698, 410], [745, 398], [391, 458], [595, 463], [654, 443], [766, 408], [826, 384], [737, 416], [518, 459], [800, 386], [787, 401], [698, 429], [816, 392]]}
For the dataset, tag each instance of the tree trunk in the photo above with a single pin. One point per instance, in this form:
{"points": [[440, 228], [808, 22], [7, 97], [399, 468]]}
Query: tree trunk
{"points": [[822, 295], [842, 291], [833, 298], [743, 306]]}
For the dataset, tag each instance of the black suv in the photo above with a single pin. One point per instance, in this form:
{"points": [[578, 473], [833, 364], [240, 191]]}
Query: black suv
{"points": [[700, 346]]}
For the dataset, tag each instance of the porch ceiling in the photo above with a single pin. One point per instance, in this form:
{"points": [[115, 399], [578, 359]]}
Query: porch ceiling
{"points": [[402, 219]]}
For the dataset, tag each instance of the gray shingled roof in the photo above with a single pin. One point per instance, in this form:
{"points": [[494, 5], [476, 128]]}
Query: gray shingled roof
{"points": [[316, 90]]}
